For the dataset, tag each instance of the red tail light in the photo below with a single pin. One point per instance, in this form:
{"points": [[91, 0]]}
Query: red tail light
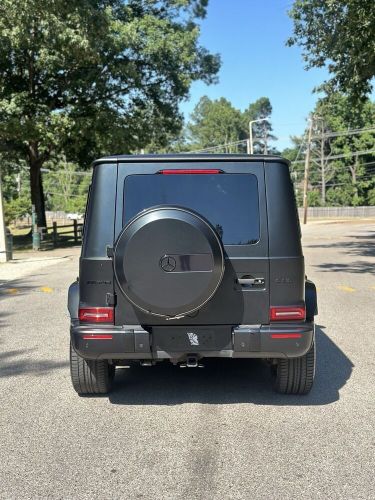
{"points": [[96, 314], [281, 313], [174, 171]]}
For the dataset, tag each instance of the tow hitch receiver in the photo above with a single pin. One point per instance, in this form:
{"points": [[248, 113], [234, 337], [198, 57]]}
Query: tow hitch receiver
{"points": [[191, 362]]}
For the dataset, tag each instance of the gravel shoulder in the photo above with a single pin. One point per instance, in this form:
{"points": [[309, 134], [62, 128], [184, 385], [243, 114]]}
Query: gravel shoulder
{"points": [[26, 263]]}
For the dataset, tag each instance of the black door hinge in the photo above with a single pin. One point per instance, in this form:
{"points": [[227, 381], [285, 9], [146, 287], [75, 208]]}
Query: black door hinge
{"points": [[110, 299], [109, 252]]}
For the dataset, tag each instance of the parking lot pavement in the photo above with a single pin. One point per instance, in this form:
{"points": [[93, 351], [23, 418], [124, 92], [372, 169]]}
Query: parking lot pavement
{"points": [[28, 262], [213, 433]]}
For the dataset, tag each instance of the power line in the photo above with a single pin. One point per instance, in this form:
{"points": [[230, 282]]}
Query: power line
{"points": [[365, 177], [347, 155], [67, 195], [220, 146], [361, 178], [300, 148], [53, 172], [344, 155], [317, 186], [348, 132]]}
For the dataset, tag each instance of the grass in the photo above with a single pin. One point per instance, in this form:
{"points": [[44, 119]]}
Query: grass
{"points": [[20, 231], [22, 239]]}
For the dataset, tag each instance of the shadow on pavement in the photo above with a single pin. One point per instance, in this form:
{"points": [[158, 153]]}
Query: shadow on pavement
{"points": [[226, 381], [359, 266], [362, 245], [22, 362], [16, 287], [3, 315]]}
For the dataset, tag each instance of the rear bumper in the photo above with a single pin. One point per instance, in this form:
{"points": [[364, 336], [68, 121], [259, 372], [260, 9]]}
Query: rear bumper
{"points": [[245, 341]]}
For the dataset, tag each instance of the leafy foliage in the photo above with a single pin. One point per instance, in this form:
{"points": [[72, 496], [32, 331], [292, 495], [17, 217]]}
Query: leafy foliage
{"points": [[16, 208], [66, 187], [218, 122], [346, 176], [341, 35], [261, 109], [92, 77], [214, 123]]}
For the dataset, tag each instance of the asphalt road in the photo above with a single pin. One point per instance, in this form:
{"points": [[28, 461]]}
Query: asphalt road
{"points": [[213, 433]]}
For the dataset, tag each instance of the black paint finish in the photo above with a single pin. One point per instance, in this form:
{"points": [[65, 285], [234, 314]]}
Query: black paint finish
{"points": [[140, 253], [169, 265]]}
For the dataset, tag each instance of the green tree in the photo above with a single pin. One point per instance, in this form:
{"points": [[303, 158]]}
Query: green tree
{"points": [[345, 175], [15, 183], [295, 154], [92, 77], [339, 34], [214, 123], [348, 173], [66, 187], [261, 109], [218, 122], [371, 196], [16, 208]]}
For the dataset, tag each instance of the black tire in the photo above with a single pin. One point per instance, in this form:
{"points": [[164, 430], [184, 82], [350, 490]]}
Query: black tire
{"points": [[90, 376], [295, 375]]}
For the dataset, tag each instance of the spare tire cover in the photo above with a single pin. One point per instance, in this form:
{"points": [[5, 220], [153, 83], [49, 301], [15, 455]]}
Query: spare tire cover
{"points": [[168, 261]]}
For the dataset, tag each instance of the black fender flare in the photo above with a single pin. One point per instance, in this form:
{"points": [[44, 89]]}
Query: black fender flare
{"points": [[311, 300], [73, 300]]}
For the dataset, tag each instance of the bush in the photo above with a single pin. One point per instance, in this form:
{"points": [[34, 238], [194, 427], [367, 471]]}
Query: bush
{"points": [[16, 208], [371, 197], [314, 198], [346, 196]]}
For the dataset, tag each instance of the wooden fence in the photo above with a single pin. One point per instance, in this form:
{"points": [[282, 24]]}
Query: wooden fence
{"points": [[332, 212], [70, 232], [56, 235]]}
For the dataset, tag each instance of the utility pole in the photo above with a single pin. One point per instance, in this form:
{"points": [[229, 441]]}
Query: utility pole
{"points": [[307, 170], [18, 179], [323, 167], [3, 241], [251, 132]]}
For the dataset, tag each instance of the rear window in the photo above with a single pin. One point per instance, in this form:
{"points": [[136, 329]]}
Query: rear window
{"points": [[228, 201]]}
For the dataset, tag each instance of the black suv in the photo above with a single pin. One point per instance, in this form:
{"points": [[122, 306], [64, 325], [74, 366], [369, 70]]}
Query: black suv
{"points": [[186, 257]]}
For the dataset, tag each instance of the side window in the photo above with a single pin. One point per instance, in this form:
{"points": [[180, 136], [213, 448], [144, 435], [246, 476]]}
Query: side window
{"points": [[87, 204], [100, 212], [296, 208]]}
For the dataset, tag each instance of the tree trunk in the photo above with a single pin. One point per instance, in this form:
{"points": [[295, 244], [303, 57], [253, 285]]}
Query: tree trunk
{"points": [[353, 171], [37, 195], [265, 140], [36, 186]]}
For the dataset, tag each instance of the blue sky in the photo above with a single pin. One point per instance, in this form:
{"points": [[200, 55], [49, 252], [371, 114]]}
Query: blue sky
{"points": [[250, 36]]}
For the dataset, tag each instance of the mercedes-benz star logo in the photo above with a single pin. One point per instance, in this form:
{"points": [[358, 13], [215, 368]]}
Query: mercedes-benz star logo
{"points": [[168, 263]]}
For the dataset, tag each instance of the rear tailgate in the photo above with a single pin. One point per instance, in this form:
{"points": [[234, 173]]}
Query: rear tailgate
{"points": [[234, 202]]}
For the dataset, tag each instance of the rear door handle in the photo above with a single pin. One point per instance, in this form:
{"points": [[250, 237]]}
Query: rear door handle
{"points": [[246, 281], [250, 281]]}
